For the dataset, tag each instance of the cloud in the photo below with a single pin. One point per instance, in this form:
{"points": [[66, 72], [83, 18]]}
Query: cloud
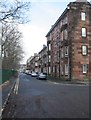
{"points": [[33, 39], [42, 17]]}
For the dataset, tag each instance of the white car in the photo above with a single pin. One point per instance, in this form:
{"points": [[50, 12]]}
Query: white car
{"points": [[27, 71], [42, 76], [34, 74]]}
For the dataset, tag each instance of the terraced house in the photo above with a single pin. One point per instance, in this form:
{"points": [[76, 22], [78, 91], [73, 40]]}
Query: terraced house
{"points": [[69, 43]]}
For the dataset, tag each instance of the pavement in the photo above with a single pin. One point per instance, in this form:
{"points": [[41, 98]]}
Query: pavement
{"points": [[6, 89], [56, 80]]}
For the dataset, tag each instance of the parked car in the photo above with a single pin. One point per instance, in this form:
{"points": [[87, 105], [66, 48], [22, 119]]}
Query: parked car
{"points": [[42, 76], [27, 71], [34, 74]]}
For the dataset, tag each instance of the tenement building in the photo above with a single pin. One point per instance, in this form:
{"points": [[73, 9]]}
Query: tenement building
{"points": [[43, 59], [69, 43]]}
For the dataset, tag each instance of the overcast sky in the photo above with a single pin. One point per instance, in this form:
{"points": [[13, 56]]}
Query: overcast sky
{"points": [[42, 16]]}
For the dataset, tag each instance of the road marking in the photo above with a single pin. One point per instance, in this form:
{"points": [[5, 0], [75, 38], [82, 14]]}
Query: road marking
{"points": [[3, 107], [16, 86]]}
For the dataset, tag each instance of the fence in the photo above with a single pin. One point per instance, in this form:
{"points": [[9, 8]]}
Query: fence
{"points": [[6, 74]]}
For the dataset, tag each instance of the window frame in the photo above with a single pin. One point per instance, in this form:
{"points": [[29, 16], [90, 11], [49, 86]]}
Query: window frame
{"points": [[66, 69], [84, 68], [65, 34], [62, 71], [84, 32], [83, 16], [62, 52], [49, 47], [84, 52], [62, 36], [66, 50], [49, 57], [49, 69]]}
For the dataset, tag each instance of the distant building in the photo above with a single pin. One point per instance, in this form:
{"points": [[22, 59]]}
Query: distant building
{"points": [[29, 63], [43, 59], [38, 62], [22, 67], [32, 64], [69, 43]]}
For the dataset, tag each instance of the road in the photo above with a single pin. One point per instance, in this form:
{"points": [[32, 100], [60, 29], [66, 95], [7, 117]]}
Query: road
{"points": [[34, 98]]}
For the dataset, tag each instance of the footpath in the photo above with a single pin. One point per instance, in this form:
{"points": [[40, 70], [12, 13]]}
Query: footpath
{"points": [[57, 80], [6, 89]]}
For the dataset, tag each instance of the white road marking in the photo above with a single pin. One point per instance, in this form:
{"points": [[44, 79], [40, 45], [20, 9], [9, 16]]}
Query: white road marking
{"points": [[16, 86], [3, 107]]}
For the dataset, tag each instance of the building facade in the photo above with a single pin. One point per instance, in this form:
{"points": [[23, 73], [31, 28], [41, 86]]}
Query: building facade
{"points": [[32, 63], [43, 60], [69, 43], [22, 67], [38, 62]]}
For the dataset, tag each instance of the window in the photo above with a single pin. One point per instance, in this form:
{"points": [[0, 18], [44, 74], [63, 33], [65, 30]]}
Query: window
{"points": [[62, 53], [83, 16], [62, 70], [39, 55], [49, 47], [36, 64], [84, 68], [65, 34], [66, 69], [83, 32], [62, 36], [84, 50], [66, 51], [2, 54], [53, 69], [49, 70], [49, 58], [6, 53], [65, 20]]}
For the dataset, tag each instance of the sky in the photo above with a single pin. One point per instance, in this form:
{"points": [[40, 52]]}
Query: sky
{"points": [[43, 14]]}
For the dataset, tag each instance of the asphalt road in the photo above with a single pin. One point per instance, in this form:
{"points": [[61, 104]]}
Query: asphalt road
{"points": [[33, 98]]}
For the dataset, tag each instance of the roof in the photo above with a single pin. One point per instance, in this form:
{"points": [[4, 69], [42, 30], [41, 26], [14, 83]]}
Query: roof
{"points": [[61, 17], [65, 11], [44, 48]]}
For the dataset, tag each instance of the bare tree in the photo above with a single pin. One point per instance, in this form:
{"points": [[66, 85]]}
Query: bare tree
{"points": [[11, 47], [14, 10]]}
